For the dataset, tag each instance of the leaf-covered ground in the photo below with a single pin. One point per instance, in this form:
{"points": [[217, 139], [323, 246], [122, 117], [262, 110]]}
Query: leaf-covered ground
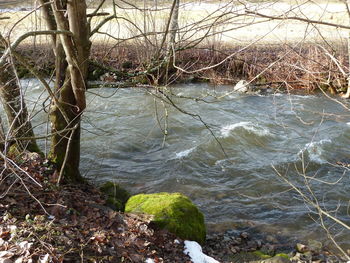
{"points": [[41, 222]]}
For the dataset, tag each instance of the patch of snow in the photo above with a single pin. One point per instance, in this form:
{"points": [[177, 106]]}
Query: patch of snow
{"points": [[25, 245], [176, 241], [13, 228], [194, 250], [149, 260], [45, 259], [5, 254]]}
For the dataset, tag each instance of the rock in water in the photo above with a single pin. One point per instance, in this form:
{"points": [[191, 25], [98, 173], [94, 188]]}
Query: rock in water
{"points": [[242, 86], [301, 248], [172, 211], [315, 246]]}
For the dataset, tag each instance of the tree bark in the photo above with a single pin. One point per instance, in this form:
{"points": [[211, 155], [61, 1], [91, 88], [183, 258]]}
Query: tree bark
{"points": [[2, 136], [19, 124], [347, 94], [72, 56], [174, 26], [166, 67], [49, 19]]}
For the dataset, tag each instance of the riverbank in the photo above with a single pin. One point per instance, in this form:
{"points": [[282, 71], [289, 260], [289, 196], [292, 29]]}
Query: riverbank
{"points": [[308, 67], [43, 222]]}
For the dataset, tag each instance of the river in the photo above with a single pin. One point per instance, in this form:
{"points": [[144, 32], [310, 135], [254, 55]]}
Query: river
{"points": [[227, 170]]}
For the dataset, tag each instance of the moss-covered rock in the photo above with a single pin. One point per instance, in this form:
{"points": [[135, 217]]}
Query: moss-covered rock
{"points": [[261, 255], [283, 255], [116, 195], [172, 211], [315, 245], [95, 74]]}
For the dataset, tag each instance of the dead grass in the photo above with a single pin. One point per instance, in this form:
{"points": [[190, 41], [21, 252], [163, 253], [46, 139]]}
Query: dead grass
{"points": [[307, 66]]}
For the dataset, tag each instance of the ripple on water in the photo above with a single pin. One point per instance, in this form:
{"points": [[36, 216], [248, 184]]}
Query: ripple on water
{"points": [[184, 153], [315, 151], [246, 126]]}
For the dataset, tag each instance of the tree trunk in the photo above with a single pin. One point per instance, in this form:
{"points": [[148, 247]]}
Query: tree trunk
{"points": [[167, 68], [174, 26], [72, 54], [19, 124], [2, 136], [347, 95]]}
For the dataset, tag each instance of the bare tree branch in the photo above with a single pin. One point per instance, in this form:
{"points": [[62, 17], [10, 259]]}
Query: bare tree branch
{"points": [[29, 34], [307, 20]]}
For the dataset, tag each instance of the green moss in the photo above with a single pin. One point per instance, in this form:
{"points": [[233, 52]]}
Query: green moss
{"points": [[115, 204], [16, 150], [13, 150], [116, 195], [261, 255], [127, 64], [283, 255], [172, 211], [23, 73], [141, 79], [95, 73], [261, 80]]}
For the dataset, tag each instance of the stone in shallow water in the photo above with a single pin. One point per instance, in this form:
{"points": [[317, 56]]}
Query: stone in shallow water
{"points": [[271, 239], [315, 245], [244, 235], [301, 248], [268, 249], [242, 86], [227, 239]]}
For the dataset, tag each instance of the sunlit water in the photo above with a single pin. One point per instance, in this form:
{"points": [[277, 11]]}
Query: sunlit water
{"points": [[234, 184]]}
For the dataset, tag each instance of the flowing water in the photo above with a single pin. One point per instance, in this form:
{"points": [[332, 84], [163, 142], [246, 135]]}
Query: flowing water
{"points": [[228, 163]]}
